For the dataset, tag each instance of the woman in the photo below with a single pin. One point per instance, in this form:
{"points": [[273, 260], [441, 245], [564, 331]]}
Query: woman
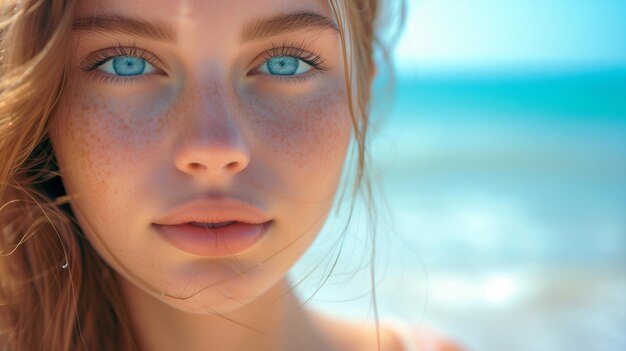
{"points": [[164, 164]]}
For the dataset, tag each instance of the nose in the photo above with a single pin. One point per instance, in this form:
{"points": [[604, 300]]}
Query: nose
{"points": [[210, 159], [211, 143]]}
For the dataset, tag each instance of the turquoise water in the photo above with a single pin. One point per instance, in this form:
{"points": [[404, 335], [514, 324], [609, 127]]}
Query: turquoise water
{"points": [[481, 160], [571, 95]]}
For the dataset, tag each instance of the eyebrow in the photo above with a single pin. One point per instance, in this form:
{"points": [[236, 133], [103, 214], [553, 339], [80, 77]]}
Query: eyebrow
{"points": [[284, 23], [113, 23], [257, 30]]}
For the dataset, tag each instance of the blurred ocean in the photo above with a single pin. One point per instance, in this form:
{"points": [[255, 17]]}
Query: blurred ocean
{"points": [[506, 195], [526, 167]]}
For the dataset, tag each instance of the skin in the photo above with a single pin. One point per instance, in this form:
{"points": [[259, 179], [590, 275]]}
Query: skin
{"points": [[204, 125]]}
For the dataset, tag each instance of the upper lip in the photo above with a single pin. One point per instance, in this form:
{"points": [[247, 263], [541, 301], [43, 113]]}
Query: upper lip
{"points": [[214, 210]]}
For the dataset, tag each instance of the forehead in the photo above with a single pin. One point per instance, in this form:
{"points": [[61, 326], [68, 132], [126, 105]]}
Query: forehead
{"points": [[215, 12]]}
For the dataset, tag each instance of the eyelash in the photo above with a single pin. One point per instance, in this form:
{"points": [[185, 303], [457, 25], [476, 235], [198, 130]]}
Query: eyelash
{"points": [[105, 55], [297, 50]]}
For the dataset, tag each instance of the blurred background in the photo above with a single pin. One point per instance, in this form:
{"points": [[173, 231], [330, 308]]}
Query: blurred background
{"points": [[503, 164]]}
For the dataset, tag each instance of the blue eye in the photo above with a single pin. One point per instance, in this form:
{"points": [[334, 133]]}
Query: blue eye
{"points": [[127, 66], [285, 66]]}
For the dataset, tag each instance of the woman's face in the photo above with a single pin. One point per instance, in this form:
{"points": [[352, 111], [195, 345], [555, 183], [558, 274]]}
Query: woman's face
{"points": [[175, 101]]}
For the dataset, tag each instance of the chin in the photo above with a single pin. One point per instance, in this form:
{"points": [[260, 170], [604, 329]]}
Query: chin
{"points": [[209, 302]]}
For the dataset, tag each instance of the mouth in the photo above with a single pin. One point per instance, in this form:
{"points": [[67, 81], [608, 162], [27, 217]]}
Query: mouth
{"points": [[213, 239], [212, 225], [215, 226]]}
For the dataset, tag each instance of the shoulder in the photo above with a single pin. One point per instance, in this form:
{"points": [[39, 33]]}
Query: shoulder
{"points": [[414, 338], [394, 336]]}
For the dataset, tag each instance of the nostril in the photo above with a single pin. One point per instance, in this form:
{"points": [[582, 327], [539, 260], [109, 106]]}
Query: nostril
{"points": [[194, 166], [211, 162], [233, 166]]}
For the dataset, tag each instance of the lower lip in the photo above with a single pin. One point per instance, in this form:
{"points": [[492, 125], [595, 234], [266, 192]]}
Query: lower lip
{"points": [[217, 242]]}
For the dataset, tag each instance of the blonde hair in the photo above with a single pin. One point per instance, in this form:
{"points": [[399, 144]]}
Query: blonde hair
{"points": [[56, 293]]}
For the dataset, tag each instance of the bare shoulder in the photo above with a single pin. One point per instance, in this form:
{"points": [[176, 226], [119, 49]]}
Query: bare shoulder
{"points": [[351, 335], [425, 339]]}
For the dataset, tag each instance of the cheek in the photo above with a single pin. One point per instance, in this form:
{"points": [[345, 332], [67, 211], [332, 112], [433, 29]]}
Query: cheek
{"points": [[304, 140], [98, 148]]}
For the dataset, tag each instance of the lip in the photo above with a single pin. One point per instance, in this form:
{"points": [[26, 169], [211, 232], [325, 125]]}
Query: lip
{"points": [[251, 226]]}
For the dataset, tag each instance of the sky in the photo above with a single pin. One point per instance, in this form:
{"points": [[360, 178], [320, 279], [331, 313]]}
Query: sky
{"points": [[455, 34]]}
